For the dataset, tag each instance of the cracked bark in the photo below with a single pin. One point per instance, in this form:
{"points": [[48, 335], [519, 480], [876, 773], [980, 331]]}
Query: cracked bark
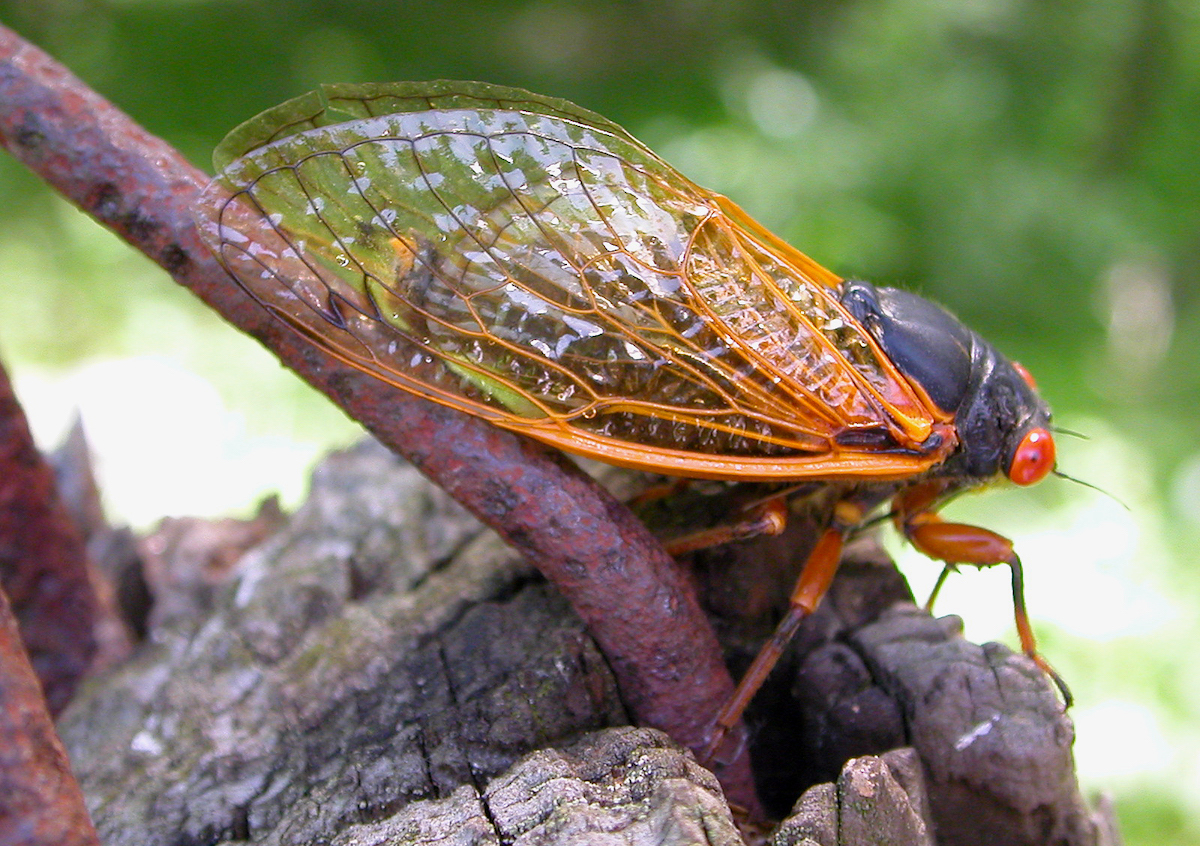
{"points": [[380, 669]]}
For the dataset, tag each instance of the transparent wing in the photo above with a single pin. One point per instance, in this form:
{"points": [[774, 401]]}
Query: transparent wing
{"points": [[531, 263]]}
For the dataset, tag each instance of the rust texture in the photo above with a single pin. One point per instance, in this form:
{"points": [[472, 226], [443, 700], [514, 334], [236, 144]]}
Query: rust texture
{"points": [[632, 597], [40, 802], [43, 561]]}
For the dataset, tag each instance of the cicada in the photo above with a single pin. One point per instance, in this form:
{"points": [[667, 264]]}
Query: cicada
{"points": [[529, 262]]}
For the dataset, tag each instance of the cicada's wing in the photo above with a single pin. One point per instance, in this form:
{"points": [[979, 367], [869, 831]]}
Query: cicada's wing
{"points": [[528, 262], [333, 104]]}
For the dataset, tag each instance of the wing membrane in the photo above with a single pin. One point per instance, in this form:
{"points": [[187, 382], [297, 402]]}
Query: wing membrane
{"points": [[529, 262]]}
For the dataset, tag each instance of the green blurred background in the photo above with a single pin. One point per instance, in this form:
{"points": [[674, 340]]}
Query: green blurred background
{"points": [[1031, 165]]}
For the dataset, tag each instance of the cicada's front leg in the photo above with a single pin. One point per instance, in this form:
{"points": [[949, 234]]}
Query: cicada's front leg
{"points": [[959, 543]]}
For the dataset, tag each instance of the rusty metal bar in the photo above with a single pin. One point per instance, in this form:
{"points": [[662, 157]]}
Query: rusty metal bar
{"points": [[631, 595], [40, 801], [43, 561]]}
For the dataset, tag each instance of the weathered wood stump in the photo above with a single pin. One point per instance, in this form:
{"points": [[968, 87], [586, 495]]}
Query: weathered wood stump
{"points": [[382, 670]]}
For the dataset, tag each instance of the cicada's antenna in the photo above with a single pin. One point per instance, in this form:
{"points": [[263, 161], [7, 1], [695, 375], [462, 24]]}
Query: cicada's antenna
{"points": [[1096, 488], [1060, 474], [1061, 431]]}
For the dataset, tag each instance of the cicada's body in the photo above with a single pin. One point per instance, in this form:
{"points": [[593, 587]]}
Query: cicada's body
{"points": [[529, 262]]}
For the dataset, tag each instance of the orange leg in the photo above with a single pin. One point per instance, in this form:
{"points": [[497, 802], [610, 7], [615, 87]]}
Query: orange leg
{"points": [[957, 543], [657, 492], [767, 518], [810, 588]]}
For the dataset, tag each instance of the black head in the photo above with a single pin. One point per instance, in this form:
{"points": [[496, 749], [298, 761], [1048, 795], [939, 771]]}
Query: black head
{"points": [[1001, 421]]}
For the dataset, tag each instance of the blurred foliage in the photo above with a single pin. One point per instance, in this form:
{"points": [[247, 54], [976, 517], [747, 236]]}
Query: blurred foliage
{"points": [[1031, 165]]}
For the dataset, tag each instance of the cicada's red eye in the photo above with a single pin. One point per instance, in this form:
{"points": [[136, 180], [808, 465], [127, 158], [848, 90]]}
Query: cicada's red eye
{"points": [[1025, 374], [1033, 459]]}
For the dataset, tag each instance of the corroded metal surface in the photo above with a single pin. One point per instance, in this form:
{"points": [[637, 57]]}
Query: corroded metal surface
{"points": [[43, 563], [40, 803], [617, 577]]}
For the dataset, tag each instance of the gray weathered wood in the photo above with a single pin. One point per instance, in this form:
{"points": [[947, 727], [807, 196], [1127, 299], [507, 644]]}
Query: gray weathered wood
{"points": [[381, 670], [876, 799]]}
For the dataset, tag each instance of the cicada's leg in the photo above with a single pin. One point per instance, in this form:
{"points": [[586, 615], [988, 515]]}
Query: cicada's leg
{"points": [[937, 586], [810, 588], [656, 492], [958, 543], [766, 518]]}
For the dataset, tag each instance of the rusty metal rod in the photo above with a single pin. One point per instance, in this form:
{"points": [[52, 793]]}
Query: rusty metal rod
{"points": [[43, 561], [631, 595], [40, 801]]}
